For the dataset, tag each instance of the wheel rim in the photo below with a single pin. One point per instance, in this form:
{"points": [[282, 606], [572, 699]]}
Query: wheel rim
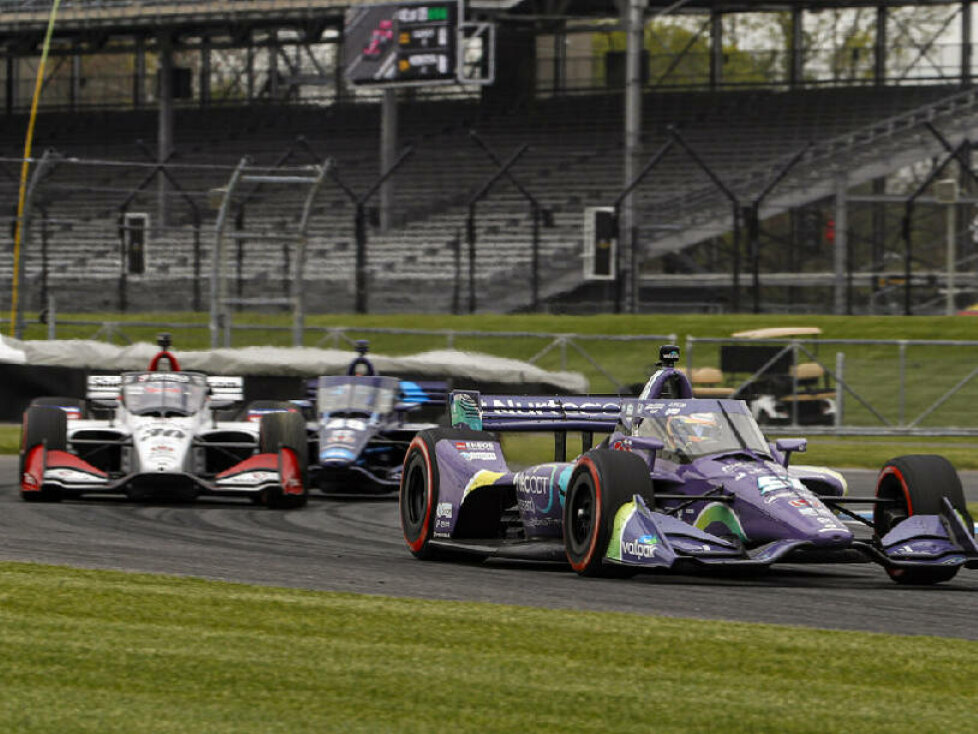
{"points": [[582, 515]]}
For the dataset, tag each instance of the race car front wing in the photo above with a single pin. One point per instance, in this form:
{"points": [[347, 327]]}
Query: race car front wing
{"points": [[54, 469]]}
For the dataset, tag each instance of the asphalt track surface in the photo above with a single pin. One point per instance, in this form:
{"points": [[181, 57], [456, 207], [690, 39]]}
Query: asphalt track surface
{"points": [[356, 546]]}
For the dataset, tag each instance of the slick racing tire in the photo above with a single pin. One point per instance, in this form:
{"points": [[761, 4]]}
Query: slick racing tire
{"points": [[286, 431], [918, 483], [602, 481], [47, 425], [418, 495]]}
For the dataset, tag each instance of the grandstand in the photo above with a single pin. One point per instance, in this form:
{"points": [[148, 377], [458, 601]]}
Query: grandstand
{"points": [[574, 160]]}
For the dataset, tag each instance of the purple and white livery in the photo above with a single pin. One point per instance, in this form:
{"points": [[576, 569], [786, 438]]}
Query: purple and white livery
{"points": [[678, 482]]}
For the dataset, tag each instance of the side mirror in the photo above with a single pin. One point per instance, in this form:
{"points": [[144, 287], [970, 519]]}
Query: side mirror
{"points": [[788, 446]]}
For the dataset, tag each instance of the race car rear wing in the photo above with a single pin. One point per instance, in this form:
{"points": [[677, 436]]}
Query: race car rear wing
{"points": [[534, 413], [557, 414], [108, 387]]}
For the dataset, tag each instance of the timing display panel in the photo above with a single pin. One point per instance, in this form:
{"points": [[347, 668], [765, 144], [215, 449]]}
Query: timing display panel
{"points": [[401, 43]]}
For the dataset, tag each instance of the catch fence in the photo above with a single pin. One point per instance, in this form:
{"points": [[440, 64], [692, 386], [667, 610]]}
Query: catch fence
{"points": [[886, 387]]}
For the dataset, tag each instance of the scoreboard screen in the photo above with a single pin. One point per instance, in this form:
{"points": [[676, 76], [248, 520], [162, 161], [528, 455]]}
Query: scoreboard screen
{"points": [[401, 43]]}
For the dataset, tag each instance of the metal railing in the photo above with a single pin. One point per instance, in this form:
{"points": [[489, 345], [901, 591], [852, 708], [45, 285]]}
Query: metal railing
{"points": [[920, 387], [887, 387]]}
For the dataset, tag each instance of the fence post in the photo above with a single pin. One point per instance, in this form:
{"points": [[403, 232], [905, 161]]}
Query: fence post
{"points": [[52, 317], [901, 417], [794, 382], [840, 391]]}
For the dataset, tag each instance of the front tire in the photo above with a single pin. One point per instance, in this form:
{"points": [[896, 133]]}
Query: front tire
{"points": [[286, 431], [602, 482], [42, 425], [918, 483]]}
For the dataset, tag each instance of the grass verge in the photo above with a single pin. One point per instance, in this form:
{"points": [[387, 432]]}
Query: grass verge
{"points": [[91, 651]]}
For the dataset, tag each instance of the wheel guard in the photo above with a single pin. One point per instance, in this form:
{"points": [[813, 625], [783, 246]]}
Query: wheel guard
{"points": [[641, 537], [928, 540]]}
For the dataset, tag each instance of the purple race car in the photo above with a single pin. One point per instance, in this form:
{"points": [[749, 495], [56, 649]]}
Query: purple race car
{"points": [[679, 482]]}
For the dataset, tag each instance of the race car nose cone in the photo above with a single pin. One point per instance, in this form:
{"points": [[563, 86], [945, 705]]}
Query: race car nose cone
{"points": [[336, 457], [834, 539]]}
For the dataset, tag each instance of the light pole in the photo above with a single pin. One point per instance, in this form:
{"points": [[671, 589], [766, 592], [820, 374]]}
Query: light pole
{"points": [[946, 192]]}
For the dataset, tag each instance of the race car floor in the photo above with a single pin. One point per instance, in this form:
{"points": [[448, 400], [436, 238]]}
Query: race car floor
{"points": [[356, 546]]}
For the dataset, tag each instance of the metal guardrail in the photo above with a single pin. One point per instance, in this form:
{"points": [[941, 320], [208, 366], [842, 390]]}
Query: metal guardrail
{"points": [[887, 372]]}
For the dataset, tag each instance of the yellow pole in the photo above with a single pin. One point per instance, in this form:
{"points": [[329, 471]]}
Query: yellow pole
{"points": [[25, 167]]}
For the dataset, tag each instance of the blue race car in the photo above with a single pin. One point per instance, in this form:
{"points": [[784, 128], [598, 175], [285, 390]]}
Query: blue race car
{"points": [[679, 482], [357, 426]]}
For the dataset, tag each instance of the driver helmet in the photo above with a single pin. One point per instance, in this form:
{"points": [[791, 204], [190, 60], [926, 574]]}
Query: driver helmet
{"points": [[693, 428]]}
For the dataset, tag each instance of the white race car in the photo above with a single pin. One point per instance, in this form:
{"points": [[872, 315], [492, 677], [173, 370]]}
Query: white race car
{"points": [[160, 434]]}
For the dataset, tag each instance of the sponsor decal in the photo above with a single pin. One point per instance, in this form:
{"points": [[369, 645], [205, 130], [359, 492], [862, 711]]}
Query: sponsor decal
{"points": [[444, 510], [768, 484], [542, 522], [28, 480], [643, 547], [533, 483], [71, 475], [542, 481], [770, 499], [343, 436], [549, 405], [157, 432], [163, 377], [476, 450], [808, 511], [251, 478], [800, 503]]}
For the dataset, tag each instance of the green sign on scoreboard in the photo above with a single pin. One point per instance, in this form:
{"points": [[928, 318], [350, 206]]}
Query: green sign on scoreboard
{"points": [[401, 43]]}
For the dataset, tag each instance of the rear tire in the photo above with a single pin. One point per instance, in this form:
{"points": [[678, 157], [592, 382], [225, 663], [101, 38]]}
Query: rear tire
{"points": [[286, 430], [602, 482], [43, 425], [911, 480], [418, 494]]}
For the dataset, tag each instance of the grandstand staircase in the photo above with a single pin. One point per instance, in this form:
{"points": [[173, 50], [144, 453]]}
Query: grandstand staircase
{"points": [[857, 157]]}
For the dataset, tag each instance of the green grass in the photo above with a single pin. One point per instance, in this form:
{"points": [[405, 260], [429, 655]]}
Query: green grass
{"points": [[88, 651], [871, 371]]}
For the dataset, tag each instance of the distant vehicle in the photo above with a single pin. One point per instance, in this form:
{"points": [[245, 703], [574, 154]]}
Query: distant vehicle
{"points": [[783, 391], [679, 482], [358, 428], [158, 433]]}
